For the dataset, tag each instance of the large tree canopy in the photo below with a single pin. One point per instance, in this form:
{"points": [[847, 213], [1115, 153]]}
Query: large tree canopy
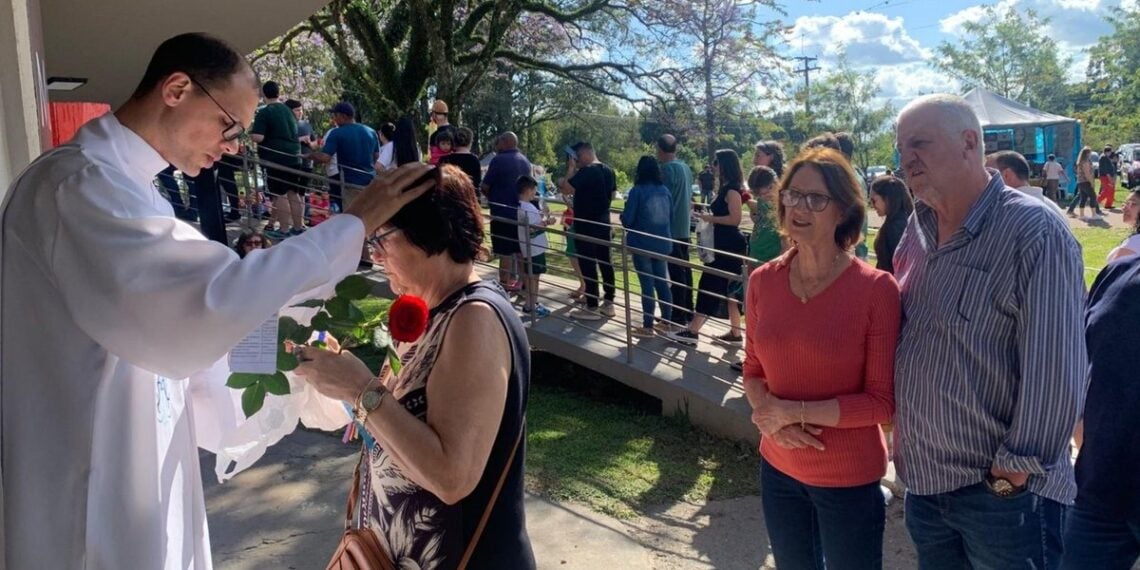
{"points": [[1009, 53], [394, 51]]}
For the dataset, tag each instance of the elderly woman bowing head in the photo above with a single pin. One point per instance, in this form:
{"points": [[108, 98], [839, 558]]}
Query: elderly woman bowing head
{"points": [[819, 373], [448, 428]]}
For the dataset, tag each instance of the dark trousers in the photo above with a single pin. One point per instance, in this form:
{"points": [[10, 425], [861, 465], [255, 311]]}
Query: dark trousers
{"points": [[812, 528], [593, 257], [973, 528], [1098, 540], [206, 192], [681, 285], [1084, 196], [336, 195], [227, 184]]}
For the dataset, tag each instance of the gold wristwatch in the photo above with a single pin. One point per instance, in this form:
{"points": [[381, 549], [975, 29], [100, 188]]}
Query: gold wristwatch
{"points": [[1003, 487], [368, 402]]}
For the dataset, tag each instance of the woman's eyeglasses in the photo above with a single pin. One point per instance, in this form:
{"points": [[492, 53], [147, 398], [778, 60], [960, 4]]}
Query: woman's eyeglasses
{"points": [[376, 242], [811, 200], [254, 243], [232, 131]]}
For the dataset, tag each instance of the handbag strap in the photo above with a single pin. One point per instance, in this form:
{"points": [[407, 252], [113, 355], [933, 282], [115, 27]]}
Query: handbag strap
{"points": [[494, 497]]}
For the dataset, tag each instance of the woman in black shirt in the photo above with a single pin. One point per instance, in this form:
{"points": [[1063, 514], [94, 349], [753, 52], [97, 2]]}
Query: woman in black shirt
{"points": [[891, 199]]}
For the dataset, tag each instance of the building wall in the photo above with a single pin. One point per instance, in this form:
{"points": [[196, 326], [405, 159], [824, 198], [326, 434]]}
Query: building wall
{"points": [[23, 116]]}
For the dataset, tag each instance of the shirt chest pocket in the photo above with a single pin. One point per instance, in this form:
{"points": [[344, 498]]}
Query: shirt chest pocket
{"points": [[969, 292]]}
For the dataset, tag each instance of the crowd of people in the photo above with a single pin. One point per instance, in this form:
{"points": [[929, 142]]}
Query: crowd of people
{"points": [[973, 336]]}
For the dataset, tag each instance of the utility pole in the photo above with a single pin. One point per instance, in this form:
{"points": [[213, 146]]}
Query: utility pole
{"points": [[806, 70]]}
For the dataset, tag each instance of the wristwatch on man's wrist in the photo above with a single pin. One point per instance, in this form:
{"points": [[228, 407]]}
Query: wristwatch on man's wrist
{"points": [[369, 401], [1003, 487]]}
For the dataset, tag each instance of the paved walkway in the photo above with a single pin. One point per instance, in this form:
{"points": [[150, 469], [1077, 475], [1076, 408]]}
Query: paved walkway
{"points": [[286, 512]]}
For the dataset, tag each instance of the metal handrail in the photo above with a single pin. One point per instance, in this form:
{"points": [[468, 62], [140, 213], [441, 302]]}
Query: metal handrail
{"points": [[252, 169]]}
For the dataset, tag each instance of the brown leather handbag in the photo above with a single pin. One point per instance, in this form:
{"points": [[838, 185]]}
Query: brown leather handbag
{"points": [[359, 549]]}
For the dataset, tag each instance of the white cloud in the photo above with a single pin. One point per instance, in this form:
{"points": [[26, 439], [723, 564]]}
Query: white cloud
{"points": [[955, 23], [901, 83], [1085, 5], [868, 38], [1079, 22]]}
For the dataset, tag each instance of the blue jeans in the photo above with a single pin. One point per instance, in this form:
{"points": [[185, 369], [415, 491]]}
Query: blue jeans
{"points": [[1094, 540], [973, 528], [652, 273], [808, 525]]}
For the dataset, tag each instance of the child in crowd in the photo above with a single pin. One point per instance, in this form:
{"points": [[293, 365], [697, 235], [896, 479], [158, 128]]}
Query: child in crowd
{"points": [[318, 207], [765, 243], [532, 233], [446, 142]]}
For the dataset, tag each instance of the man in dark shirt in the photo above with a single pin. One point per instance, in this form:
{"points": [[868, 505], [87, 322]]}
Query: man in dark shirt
{"points": [[275, 132], [1103, 529], [707, 180], [463, 158], [592, 184], [500, 185], [1107, 170]]}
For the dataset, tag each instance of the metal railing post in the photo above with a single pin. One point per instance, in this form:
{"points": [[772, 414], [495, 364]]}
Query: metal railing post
{"points": [[625, 292]]}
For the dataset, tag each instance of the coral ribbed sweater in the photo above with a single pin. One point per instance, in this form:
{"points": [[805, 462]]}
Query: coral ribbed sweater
{"points": [[840, 344]]}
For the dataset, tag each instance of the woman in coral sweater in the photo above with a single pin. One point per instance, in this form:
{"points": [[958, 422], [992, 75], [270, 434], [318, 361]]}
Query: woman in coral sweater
{"points": [[819, 374]]}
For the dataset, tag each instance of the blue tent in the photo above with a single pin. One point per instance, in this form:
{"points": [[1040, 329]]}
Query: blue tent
{"points": [[1009, 125]]}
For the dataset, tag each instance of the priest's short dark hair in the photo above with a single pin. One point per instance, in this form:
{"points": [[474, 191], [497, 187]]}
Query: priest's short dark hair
{"points": [[208, 60]]}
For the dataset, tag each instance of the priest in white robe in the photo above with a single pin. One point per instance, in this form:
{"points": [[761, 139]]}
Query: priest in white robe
{"points": [[109, 303]]}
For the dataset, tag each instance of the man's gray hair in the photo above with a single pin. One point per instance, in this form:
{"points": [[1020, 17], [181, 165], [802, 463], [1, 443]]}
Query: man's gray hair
{"points": [[955, 115]]}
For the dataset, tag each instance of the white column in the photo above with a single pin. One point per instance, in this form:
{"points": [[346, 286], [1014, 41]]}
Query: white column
{"points": [[24, 124]]}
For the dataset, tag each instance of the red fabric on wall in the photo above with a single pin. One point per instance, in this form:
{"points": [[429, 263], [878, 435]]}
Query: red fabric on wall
{"points": [[67, 117]]}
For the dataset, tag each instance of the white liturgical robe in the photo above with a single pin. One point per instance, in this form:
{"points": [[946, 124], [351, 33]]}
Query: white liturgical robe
{"points": [[109, 303]]}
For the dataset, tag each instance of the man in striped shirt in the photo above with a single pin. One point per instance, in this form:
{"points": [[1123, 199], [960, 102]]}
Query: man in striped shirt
{"points": [[991, 363]]}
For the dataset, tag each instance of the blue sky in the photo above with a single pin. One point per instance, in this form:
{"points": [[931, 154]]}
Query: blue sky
{"points": [[897, 38]]}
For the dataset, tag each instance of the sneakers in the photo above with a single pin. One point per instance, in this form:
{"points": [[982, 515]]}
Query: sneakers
{"points": [[540, 310], [643, 332], [737, 366], [729, 338], [296, 231], [686, 337], [664, 328], [275, 235], [583, 314], [608, 308]]}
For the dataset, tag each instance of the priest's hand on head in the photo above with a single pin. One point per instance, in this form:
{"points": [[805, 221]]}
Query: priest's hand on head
{"points": [[341, 376], [388, 192]]}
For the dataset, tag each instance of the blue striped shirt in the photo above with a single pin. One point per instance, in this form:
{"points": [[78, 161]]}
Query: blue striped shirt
{"points": [[991, 364]]}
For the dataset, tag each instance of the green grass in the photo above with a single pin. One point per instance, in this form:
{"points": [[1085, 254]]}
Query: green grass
{"points": [[1095, 245], [618, 461]]}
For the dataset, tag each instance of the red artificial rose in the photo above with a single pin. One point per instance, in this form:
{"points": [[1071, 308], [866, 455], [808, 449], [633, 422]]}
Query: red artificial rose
{"points": [[407, 318], [746, 196]]}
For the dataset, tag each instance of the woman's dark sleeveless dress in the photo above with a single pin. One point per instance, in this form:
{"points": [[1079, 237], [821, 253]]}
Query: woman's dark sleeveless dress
{"points": [[416, 527]]}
